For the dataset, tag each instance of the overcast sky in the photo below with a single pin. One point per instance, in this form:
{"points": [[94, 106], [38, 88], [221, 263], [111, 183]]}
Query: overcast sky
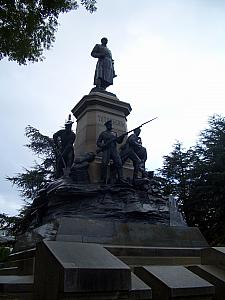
{"points": [[170, 61]]}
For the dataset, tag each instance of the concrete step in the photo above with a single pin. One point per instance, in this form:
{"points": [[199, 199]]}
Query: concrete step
{"points": [[139, 256], [139, 289], [24, 266], [85, 267], [162, 261], [175, 282], [212, 274], [9, 271], [213, 256], [30, 253], [118, 250], [16, 284], [17, 296]]}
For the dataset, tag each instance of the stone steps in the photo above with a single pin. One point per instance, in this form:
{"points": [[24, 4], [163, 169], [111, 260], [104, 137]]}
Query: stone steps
{"points": [[175, 282], [134, 256], [139, 291], [213, 256], [119, 250], [212, 274], [9, 271], [18, 267], [13, 284], [164, 265], [164, 261], [24, 254]]}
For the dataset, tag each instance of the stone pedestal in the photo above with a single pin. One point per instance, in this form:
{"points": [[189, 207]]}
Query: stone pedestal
{"points": [[91, 112]]}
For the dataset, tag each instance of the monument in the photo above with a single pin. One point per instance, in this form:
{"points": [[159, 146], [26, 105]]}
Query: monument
{"points": [[96, 231]]}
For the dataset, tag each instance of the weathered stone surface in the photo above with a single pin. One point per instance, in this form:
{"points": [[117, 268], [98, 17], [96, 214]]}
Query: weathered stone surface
{"points": [[212, 274], [176, 218], [16, 284], [77, 267], [174, 282], [114, 233], [138, 234], [116, 202], [213, 256], [145, 256], [139, 290], [122, 202]]}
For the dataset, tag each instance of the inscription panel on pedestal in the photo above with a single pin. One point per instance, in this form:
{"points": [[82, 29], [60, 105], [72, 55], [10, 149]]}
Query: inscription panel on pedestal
{"points": [[102, 118]]}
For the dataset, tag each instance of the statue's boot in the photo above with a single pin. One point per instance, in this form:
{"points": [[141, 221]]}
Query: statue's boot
{"points": [[104, 174], [120, 176], [136, 170]]}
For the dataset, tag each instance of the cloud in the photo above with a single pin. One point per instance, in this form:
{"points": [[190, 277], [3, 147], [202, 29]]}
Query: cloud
{"points": [[9, 205]]}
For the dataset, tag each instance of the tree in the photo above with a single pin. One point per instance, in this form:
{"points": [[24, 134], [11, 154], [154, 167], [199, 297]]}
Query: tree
{"points": [[197, 178], [176, 172], [31, 181], [205, 207], [27, 27]]}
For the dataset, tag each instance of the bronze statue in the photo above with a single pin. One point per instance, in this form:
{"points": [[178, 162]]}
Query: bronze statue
{"points": [[107, 142], [64, 140], [134, 150], [104, 72]]}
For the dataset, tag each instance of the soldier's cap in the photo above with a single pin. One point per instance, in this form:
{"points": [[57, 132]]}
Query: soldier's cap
{"points": [[108, 122]]}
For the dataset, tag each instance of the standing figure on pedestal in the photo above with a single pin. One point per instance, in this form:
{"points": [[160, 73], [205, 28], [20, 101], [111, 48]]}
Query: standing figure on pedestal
{"points": [[104, 72], [64, 140], [134, 150], [107, 142]]}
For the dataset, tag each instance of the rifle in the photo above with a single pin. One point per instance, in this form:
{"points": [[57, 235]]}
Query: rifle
{"points": [[122, 135], [140, 125]]}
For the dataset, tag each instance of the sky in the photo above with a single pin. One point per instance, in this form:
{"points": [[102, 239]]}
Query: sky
{"points": [[170, 60]]}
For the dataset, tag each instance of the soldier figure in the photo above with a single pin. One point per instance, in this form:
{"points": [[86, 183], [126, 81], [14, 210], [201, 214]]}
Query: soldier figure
{"points": [[104, 72], [134, 150], [64, 140], [107, 142]]}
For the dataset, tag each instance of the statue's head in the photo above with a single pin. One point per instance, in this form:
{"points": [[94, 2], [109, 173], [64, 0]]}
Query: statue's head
{"points": [[108, 124], [137, 131], [104, 41]]}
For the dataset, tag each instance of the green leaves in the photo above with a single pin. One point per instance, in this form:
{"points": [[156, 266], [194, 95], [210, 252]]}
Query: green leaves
{"points": [[27, 27]]}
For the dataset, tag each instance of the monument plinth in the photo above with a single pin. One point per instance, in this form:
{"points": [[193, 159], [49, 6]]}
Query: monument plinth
{"points": [[91, 113]]}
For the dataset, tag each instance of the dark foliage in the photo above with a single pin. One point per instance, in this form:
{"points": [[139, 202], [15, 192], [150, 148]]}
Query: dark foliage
{"points": [[27, 27], [4, 253], [7, 223], [31, 181], [197, 178]]}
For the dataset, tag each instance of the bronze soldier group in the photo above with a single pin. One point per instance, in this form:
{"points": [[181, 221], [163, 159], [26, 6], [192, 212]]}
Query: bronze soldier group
{"points": [[107, 144], [132, 149], [108, 139]]}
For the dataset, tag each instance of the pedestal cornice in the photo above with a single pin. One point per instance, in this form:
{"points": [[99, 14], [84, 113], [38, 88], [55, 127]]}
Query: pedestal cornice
{"points": [[99, 99]]}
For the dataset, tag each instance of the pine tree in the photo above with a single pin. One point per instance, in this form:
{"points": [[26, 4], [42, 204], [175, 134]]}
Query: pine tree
{"points": [[197, 178], [32, 180]]}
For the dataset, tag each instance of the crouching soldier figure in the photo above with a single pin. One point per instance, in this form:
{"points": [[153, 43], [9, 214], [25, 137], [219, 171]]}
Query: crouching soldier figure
{"points": [[134, 150]]}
